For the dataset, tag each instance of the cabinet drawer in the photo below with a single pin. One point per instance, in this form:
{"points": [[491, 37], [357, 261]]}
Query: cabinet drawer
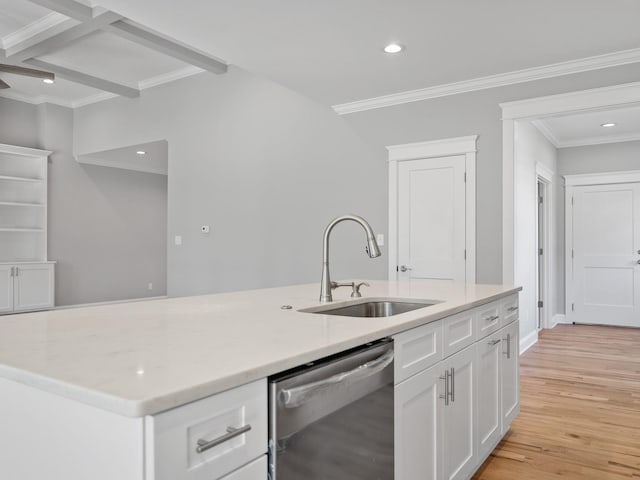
{"points": [[488, 319], [510, 309], [173, 436], [417, 349], [458, 332], [256, 470]]}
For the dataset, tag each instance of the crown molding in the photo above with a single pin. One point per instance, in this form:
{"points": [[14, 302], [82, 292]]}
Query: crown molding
{"points": [[583, 142], [492, 81], [36, 100], [34, 28], [544, 129]]}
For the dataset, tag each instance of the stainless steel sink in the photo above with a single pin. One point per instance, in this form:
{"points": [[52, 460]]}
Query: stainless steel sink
{"points": [[373, 308]]}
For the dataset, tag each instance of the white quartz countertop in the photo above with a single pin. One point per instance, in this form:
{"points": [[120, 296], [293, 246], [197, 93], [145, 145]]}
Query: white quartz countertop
{"points": [[141, 358]]}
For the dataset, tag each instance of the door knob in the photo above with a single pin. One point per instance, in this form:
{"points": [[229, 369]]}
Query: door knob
{"points": [[404, 268]]}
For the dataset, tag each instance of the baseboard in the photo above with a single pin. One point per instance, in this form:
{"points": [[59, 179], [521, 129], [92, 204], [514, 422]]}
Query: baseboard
{"points": [[527, 342], [112, 302], [558, 318]]}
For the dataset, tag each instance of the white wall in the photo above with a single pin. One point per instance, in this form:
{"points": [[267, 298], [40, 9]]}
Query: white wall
{"points": [[531, 148]]}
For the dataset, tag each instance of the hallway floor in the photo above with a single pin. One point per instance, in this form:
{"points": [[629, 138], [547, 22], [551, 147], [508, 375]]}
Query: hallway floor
{"points": [[580, 409]]}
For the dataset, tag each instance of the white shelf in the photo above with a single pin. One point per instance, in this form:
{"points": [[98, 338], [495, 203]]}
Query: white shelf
{"points": [[20, 179], [20, 229], [21, 204]]}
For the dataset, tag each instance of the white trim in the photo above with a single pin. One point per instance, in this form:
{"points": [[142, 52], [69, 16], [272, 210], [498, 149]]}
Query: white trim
{"points": [[568, 249], [544, 129], [433, 148], [581, 142], [558, 319], [112, 302], [529, 341], [35, 100], [597, 62], [602, 178], [32, 152], [545, 175], [31, 30], [466, 146], [532, 109], [595, 98], [98, 97]]}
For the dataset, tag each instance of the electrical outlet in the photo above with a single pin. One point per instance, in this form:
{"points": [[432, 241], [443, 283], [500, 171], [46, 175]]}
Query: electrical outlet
{"points": [[178, 240], [150, 286]]}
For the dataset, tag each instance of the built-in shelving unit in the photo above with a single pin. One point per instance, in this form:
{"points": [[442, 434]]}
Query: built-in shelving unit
{"points": [[26, 277]]}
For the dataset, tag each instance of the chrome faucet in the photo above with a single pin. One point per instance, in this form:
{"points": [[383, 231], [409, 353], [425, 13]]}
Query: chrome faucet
{"points": [[372, 249]]}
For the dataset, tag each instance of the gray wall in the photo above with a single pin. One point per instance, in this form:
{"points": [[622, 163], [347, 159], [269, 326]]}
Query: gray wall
{"points": [[468, 114], [610, 157], [265, 167], [268, 168], [107, 227]]}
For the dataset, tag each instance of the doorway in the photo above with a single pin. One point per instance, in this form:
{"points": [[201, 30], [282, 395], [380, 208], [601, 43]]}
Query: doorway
{"points": [[432, 210], [543, 249]]}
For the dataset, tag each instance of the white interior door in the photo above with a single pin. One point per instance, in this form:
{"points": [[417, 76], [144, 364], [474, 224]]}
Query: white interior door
{"points": [[606, 252], [431, 219]]}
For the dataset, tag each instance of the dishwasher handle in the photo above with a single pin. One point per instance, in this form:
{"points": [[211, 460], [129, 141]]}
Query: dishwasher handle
{"points": [[296, 396]]}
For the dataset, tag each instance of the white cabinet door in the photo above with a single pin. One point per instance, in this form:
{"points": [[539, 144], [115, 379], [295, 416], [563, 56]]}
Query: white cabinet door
{"points": [[510, 401], [6, 288], [489, 356], [417, 426], [459, 417], [33, 286], [431, 218], [256, 470]]}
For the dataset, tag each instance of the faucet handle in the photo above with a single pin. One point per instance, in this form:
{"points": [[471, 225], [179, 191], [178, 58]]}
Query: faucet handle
{"points": [[356, 289]]}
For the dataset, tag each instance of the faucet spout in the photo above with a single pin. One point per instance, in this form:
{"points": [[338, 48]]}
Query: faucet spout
{"points": [[373, 250]]}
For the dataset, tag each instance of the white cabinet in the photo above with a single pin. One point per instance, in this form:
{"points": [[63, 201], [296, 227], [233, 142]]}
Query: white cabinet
{"points": [[209, 438], [451, 413], [510, 374], [459, 416], [26, 286], [489, 355], [417, 423]]}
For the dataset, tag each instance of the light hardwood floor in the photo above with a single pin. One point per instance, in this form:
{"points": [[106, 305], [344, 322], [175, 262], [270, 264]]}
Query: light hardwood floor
{"points": [[580, 409]]}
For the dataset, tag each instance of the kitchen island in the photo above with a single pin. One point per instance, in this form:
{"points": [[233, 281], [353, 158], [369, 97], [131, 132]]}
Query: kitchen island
{"points": [[81, 387]]}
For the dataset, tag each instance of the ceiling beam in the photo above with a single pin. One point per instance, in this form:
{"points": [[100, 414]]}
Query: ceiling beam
{"points": [[154, 41], [53, 39], [85, 79], [70, 8]]}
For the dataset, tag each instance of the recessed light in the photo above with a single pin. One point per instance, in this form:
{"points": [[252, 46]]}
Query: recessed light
{"points": [[48, 80], [393, 48], [141, 152], [607, 125]]}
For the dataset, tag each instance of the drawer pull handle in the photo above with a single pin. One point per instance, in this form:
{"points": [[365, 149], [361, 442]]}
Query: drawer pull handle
{"points": [[492, 318], [512, 309], [231, 433]]}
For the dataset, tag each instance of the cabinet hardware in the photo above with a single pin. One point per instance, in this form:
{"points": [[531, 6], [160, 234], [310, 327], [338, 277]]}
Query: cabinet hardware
{"points": [[492, 318], [231, 433], [512, 309], [508, 340], [453, 384], [404, 268], [445, 377], [495, 342]]}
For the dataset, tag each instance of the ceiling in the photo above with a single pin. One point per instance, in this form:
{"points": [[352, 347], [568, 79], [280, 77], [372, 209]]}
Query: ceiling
{"points": [[332, 50], [155, 158], [586, 128]]}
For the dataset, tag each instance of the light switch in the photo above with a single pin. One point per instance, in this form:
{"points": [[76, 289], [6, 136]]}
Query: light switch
{"points": [[380, 239], [178, 240]]}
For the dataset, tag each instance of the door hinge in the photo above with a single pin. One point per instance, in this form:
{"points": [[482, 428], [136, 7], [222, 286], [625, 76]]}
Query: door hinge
{"points": [[540, 200], [540, 304], [573, 253], [465, 254], [571, 200], [397, 268], [465, 177], [540, 251], [573, 307]]}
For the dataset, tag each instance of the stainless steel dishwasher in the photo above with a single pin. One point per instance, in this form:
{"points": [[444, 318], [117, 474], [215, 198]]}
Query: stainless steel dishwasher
{"points": [[333, 419]]}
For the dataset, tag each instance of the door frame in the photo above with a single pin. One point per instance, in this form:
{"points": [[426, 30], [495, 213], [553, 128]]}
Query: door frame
{"points": [[446, 147], [545, 176], [582, 180]]}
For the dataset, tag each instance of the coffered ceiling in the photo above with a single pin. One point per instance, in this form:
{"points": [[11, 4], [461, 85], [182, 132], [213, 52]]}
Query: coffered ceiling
{"points": [[330, 50]]}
